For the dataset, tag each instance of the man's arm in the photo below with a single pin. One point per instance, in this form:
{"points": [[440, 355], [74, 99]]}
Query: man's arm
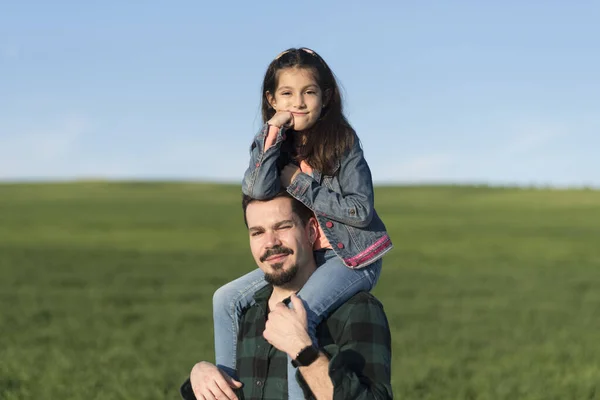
{"points": [[360, 359], [357, 366], [286, 329], [316, 376]]}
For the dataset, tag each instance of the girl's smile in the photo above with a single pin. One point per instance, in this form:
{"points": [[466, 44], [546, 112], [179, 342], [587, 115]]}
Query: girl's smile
{"points": [[299, 93]]}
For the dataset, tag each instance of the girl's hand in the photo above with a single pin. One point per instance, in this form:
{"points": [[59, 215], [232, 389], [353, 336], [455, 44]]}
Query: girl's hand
{"points": [[288, 173], [282, 119]]}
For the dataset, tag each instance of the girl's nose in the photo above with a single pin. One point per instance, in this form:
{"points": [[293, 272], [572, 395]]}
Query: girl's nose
{"points": [[299, 101]]}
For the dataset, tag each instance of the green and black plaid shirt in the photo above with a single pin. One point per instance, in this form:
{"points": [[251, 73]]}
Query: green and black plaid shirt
{"points": [[356, 337]]}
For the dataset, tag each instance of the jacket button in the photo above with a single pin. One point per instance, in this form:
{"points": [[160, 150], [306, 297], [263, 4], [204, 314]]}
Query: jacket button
{"points": [[283, 136], [340, 245], [352, 211], [329, 224], [353, 263], [257, 164]]}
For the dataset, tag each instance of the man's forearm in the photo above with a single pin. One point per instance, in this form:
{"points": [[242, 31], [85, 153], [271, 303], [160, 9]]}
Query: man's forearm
{"points": [[316, 376]]}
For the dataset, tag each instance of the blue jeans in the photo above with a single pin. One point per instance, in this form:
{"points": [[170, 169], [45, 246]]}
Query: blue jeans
{"points": [[331, 285]]}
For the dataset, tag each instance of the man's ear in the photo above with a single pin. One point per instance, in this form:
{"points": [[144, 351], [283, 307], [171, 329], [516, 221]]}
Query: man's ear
{"points": [[270, 99]]}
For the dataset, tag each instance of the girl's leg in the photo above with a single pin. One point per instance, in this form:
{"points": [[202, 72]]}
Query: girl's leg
{"points": [[228, 303], [331, 285]]}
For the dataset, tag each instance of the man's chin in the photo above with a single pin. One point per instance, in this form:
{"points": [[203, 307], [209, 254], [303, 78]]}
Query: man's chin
{"points": [[277, 266], [280, 276]]}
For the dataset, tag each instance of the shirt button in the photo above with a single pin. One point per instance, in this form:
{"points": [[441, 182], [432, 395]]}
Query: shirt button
{"points": [[283, 136], [257, 164], [353, 263], [340, 245], [258, 383], [329, 224]]}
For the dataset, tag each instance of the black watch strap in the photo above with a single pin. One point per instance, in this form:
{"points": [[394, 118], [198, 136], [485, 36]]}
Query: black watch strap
{"points": [[306, 357], [186, 390]]}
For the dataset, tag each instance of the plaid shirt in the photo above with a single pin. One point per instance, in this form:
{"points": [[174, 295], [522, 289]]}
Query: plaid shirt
{"points": [[355, 337]]}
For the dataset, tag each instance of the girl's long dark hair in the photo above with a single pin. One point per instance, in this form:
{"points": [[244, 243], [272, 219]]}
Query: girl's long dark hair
{"points": [[322, 145]]}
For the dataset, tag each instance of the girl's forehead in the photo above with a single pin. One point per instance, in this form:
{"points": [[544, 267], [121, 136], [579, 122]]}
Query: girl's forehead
{"points": [[296, 76]]}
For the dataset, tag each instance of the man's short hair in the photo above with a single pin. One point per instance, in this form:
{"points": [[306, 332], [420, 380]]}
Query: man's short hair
{"points": [[298, 208]]}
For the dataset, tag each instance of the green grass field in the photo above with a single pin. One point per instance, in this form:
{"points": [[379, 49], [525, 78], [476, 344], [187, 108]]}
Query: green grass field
{"points": [[105, 289]]}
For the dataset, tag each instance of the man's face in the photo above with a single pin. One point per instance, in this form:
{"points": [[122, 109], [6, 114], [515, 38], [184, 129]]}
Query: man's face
{"points": [[278, 241]]}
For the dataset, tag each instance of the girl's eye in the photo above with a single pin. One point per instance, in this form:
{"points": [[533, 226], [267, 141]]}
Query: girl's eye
{"points": [[285, 93], [311, 92]]}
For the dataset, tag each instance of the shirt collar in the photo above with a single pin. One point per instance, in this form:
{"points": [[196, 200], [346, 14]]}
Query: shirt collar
{"points": [[261, 297]]}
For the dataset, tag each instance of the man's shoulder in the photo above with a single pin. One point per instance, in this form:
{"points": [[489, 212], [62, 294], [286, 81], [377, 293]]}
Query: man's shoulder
{"points": [[361, 300], [361, 309], [360, 319], [364, 298]]}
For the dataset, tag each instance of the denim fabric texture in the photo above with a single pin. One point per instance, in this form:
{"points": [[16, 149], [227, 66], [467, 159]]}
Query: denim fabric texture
{"points": [[343, 203]]}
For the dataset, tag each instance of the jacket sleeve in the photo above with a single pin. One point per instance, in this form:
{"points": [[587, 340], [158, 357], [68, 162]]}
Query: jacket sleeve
{"points": [[360, 362], [354, 205], [261, 179]]}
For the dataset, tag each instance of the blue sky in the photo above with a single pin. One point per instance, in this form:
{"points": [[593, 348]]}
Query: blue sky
{"points": [[438, 91]]}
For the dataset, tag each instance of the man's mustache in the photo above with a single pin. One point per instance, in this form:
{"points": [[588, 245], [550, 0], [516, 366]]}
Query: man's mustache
{"points": [[275, 250]]}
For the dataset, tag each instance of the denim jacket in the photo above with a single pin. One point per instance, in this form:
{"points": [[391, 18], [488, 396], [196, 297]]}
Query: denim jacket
{"points": [[343, 203]]}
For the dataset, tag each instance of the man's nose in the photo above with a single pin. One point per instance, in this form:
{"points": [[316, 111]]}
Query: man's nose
{"points": [[272, 240]]}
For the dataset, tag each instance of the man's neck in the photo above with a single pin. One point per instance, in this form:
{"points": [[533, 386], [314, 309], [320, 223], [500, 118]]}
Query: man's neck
{"points": [[281, 293]]}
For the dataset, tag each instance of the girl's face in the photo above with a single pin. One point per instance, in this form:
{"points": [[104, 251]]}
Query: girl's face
{"points": [[299, 93]]}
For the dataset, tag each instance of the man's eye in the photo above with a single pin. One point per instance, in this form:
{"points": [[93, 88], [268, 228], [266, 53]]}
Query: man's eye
{"points": [[285, 227], [254, 234]]}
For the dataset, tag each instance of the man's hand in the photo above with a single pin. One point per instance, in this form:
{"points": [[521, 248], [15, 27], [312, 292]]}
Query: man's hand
{"points": [[287, 329], [288, 173], [210, 383]]}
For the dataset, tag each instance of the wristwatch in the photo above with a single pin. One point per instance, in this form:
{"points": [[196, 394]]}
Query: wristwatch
{"points": [[306, 357]]}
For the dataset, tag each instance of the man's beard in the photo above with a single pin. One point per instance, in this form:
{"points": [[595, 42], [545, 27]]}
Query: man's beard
{"points": [[280, 277]]}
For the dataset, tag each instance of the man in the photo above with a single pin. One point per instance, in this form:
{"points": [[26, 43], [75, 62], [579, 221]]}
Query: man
{"points": [[353, 361]]}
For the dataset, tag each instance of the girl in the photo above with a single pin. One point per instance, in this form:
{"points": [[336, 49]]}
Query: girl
{"points": [[308, 147]]}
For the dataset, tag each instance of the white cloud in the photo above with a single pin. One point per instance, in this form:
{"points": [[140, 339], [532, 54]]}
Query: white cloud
{"points": [[36, 152], [67, 149], [71, 148], [513, 153], [530, 138], [214, 158], [426, 167]]}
